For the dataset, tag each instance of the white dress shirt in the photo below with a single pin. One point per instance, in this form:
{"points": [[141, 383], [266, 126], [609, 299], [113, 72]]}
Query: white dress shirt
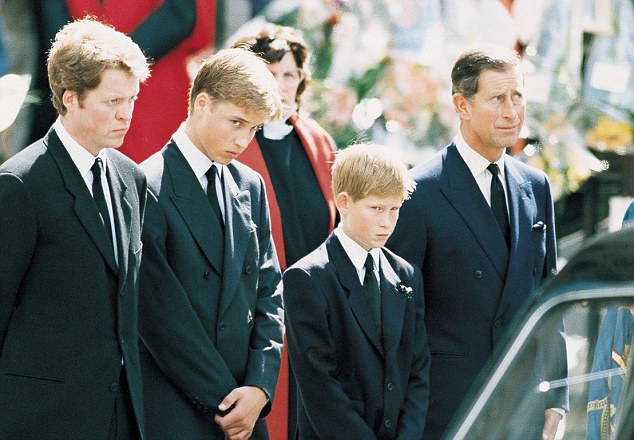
{"points": [[358, 255], [478, 167], [199, 163], [84, 161]]}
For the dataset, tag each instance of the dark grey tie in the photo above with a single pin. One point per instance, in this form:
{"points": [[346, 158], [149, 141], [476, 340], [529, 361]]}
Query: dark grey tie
{"points": [[371, 287], [212, 195], [498, 203], [100, 199]]}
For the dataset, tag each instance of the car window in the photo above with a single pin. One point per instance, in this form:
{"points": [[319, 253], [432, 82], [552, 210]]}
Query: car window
{"points": [[571, 352]]}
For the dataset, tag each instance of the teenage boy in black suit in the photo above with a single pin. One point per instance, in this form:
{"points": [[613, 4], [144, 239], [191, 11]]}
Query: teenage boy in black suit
{"points": [[211, 320], [356, 336]]}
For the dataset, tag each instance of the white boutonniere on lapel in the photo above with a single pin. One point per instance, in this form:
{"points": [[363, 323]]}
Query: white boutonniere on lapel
{"points": [[406, 291]]}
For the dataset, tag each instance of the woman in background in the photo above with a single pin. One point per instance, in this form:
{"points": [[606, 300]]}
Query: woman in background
{"points": [[294, 156]]}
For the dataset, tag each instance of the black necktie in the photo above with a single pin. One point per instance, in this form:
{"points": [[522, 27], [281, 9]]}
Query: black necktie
{"points": [[212, 195], [498, 203], [100, 199], [371, 287]]}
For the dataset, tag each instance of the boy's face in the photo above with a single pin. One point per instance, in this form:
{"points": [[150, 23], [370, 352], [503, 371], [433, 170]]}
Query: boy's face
{"points": [[221, 130], [370, 220]]}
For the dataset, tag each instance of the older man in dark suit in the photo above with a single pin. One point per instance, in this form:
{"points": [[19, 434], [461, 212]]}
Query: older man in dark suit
{"points": [[71, 210], [211, 320], [480, 226]]}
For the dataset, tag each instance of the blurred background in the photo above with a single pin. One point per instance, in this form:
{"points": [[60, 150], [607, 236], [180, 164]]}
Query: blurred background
{"points": [[380, 72]]}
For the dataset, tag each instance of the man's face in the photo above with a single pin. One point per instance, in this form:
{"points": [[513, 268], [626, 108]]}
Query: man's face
{"points": [[221, 130], [288, 77], [102, 118], [493, 118], [369, 221]]}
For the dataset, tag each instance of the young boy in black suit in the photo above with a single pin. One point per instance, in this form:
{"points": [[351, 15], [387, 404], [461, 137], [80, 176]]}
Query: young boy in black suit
{"points": [[356, 336]]}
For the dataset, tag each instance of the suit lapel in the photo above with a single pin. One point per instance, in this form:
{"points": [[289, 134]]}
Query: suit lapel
{"points": [[85, 207], [521, 202], [238, 230], [356, 295], [464, 195], [393, 304], [122, 212], [522, 212], [191, 201]]}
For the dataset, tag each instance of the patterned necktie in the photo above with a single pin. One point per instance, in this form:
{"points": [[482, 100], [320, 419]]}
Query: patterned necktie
{"points": [[212, 195], [498, 203], [371, 287], [100, 199]]}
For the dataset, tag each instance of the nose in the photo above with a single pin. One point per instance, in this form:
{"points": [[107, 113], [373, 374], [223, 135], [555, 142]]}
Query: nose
{"points": [[280, 80], [244, 138], [386, 219], [125, 111], [510, 109]]}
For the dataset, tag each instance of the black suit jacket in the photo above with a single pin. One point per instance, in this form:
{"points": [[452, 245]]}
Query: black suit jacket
{"points": [[474, 285], [211, 320], [67, 314], [354, 384]]}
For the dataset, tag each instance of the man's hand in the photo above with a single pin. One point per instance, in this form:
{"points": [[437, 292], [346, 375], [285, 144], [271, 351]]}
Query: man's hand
{"points": [[551, 423], [244, 405]]}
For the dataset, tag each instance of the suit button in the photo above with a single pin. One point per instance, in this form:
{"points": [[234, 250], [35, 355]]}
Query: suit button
{"points": [[477, 274], [114, 387], [248, 270], [221, 326], [387, 423], [497, 323], [206, 275], [534, 271], [390, 386]]}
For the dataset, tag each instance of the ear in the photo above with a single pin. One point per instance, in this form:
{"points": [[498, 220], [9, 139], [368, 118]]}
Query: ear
{"points": [[342, 200], [70, 99], [201, 101], [462, 106]]}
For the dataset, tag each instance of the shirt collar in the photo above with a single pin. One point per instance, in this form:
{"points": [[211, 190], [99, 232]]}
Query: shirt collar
{"points": [[355, 252], [81, 157], [476, 163], [198, 162]]}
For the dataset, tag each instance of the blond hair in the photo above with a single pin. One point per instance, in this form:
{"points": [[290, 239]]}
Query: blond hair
{"points": [[240, 77], [80, 53], [370, 169]]}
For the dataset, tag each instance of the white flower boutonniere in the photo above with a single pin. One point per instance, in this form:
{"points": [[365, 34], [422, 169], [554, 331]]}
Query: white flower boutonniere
{"points": [[407, 291]]}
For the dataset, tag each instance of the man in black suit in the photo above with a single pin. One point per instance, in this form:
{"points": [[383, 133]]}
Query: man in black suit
{"points": [[480, 226], [354, 311], [71, 210], [211, 320]]}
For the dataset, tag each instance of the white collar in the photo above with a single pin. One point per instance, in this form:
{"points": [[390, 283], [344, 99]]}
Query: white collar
{"points": [[81, 157], [476, 163], [355, 252], [198, 162], [279, 128]]}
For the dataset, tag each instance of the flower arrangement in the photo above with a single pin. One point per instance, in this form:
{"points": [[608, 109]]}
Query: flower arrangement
{"points": [[363, 89]]}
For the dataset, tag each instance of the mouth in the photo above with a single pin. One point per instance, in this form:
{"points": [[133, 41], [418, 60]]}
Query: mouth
{"points": [[514, 128]]}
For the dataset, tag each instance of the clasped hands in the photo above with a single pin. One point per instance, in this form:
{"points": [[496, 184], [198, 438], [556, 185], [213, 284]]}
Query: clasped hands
{"points": [[240, 410]]}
